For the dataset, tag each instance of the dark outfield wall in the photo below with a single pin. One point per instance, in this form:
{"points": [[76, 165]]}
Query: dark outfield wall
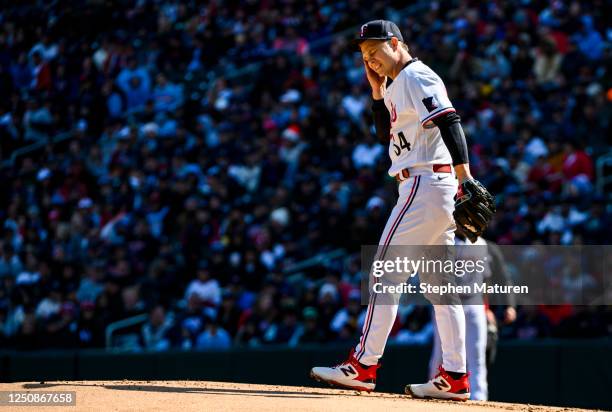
{"points": [[562, 373]]}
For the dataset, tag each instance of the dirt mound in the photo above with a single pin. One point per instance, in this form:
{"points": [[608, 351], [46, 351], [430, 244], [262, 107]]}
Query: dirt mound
{"points": [[222, 396]]}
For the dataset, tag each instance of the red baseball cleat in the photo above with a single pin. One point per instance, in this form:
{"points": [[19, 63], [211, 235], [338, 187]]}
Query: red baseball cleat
{"points": [[349, 374], [442, 386]]}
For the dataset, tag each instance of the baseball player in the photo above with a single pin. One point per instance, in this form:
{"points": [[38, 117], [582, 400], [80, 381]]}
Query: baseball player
{"points": [[414, 117], [475, 310]]}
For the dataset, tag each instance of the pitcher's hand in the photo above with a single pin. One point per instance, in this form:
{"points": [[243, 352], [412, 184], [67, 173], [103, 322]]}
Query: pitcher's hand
{"points": [[378, 83]]}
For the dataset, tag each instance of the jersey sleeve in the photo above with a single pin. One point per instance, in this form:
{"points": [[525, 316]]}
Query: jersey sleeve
{"points": [[428, 96]]}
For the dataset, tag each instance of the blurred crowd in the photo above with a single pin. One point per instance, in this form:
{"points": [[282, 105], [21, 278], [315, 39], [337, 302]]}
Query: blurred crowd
{"points": [[187, 194]]}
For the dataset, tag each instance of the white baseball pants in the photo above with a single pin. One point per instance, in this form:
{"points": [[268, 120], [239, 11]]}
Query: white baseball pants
{"points": [[423, 215]]}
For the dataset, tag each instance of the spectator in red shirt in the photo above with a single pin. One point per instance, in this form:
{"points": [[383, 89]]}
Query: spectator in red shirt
{"points": [[577, 169], [577, 162], [41, 73]]}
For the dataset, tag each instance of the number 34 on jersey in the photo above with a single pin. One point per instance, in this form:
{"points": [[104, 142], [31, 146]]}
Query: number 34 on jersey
{"points": [[400, 143]]}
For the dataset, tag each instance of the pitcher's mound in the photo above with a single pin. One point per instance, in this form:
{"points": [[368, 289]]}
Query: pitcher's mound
{"points": [[222, 396]]}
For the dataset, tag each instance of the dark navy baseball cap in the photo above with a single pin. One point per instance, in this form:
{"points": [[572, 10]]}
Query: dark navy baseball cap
{"points": [[378, 30]]}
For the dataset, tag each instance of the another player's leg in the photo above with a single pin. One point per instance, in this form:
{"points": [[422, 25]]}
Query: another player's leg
{"points": [[476, 346]]}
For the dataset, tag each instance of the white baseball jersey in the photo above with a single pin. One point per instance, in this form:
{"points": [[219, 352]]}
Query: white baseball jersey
{"points": [[414, 99]]}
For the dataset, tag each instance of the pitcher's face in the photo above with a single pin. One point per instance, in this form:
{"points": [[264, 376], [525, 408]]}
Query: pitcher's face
{"points": [[380, 55]]}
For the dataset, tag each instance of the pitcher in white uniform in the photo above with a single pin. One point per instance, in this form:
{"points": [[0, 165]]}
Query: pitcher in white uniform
{"points": [[415, 118]]}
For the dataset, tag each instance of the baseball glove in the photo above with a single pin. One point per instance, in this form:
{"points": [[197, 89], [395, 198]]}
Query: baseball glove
{"points": [[474, 208]]}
